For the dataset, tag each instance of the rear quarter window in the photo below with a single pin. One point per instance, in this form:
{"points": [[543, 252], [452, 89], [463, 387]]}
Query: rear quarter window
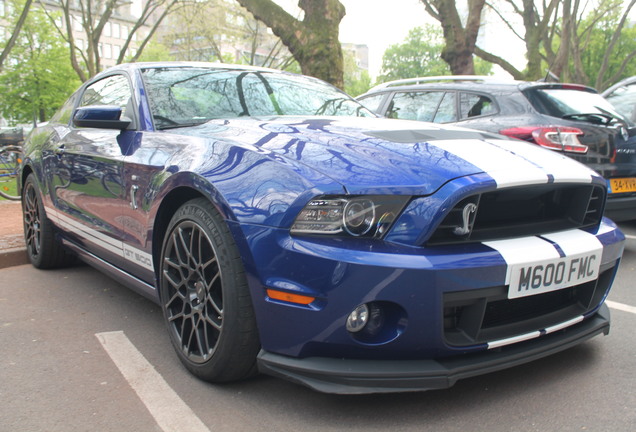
{"points": [[475, 105]]}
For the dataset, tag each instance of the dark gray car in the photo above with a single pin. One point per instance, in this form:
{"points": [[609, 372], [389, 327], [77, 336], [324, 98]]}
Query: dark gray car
{"points": [[623, 96], [568, 118]]}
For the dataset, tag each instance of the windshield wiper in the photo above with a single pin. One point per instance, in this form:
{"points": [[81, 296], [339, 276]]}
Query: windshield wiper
{"points": [[601, 118]]}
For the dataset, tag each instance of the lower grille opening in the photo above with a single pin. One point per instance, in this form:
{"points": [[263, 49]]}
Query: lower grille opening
{"points": [[479, 316]]}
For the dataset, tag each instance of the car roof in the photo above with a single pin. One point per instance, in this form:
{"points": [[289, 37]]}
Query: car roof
{"points": [[469, 82], [621, 83], [129, 67]]}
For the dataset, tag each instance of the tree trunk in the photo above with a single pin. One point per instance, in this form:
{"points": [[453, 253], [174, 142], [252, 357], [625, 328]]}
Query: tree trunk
{"points": [[460, 41], [313, 41], [16, 31]]}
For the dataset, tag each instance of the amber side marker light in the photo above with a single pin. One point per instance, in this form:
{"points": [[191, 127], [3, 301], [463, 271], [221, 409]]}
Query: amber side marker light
{"points": [[290, 298]]}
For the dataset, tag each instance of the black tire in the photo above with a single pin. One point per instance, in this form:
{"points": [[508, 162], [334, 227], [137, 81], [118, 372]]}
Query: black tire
{"points": [[43, 249], [205, 297]]}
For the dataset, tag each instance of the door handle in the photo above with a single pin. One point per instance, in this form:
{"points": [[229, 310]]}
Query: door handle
{"points": [[133, 198]]}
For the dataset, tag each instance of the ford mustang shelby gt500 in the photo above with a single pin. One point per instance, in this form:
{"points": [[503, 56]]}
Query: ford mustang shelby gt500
{"points": [[284, 228]]}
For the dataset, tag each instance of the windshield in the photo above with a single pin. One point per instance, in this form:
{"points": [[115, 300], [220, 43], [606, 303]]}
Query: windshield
{"points": [[573, 104], [185, 96]]}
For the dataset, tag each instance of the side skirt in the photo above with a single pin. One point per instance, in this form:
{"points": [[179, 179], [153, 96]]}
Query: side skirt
{"points": [[126, 279]]}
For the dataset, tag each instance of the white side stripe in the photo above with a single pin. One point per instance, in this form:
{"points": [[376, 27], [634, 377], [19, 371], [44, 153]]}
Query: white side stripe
{"points": [[132, 254]]}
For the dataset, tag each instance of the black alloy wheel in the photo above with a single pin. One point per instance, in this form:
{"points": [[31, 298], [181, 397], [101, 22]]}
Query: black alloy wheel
{"points": [[43, 249], [205, 297]]}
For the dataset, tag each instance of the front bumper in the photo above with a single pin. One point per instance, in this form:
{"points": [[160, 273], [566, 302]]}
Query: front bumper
{"points": [[356, 376]]}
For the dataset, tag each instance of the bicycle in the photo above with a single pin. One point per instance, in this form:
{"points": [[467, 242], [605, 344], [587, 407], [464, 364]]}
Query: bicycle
{"points": [[10, 160]]}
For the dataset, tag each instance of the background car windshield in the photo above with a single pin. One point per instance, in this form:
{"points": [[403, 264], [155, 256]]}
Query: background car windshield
{"points": [[624, 99], [561, 102], [187, 96]]}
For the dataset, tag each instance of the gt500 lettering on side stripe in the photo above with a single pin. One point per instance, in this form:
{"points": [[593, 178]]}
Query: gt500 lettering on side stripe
{"points": [[537, 278], [551, 262]]}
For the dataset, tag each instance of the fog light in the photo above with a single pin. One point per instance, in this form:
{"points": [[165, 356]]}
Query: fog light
{"points": [[358, 318]]}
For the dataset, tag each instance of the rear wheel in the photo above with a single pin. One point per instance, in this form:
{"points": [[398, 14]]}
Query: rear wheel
{"points": [[43, 250], [205, 297]]}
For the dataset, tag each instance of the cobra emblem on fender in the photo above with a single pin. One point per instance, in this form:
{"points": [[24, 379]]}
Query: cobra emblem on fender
{"points": [[468, 216]]}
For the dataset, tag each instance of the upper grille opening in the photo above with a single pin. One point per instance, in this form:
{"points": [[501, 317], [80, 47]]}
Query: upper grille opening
{"points": [[517, 212]]}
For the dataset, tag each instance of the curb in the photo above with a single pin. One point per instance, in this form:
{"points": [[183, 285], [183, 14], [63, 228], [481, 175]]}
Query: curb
{"points": [[13, 257]]}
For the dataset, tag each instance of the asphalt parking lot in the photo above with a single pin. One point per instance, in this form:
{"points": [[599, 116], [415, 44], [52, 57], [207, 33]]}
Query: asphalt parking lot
{"points": [[80, 352]]}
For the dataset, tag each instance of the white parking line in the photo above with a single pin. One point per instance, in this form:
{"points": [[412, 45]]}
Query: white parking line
{"points": [[621, 306], [631, 237], [168, 409]]}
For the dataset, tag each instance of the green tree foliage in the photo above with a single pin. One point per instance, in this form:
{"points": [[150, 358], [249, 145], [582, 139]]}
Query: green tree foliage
{"points": [[622, 63], [418, 56], [37, 76], [356, 80], [154, 51]]}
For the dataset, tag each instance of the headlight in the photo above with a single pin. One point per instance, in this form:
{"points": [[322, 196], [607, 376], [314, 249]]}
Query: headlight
{"points": [[359, 216]]}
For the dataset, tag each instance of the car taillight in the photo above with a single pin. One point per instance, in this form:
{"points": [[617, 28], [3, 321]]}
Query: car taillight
{"points": [[559, 138]]}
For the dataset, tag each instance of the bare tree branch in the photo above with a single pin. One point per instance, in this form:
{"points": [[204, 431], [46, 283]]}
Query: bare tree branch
{"points": [[16, 32], [505, 65], [612, 44]]}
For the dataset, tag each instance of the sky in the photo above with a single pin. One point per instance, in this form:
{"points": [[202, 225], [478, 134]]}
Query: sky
{"points": [[382, 23]]}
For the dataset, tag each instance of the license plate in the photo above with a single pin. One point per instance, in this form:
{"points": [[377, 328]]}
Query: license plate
{"points": [[553, 274], [622, 185]]}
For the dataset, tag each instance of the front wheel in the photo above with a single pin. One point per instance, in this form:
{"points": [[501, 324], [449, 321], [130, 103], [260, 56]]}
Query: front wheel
{"points": [[205, 298]]}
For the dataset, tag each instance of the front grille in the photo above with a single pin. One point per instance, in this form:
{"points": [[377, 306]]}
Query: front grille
{"points": [[517, 212], [479, 316]]}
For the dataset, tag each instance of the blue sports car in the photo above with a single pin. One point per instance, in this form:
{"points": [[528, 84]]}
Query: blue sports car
{"points": [[285, 229]]}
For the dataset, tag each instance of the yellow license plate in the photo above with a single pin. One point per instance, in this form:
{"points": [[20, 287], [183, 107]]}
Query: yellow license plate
{"points": [[622, 185]]}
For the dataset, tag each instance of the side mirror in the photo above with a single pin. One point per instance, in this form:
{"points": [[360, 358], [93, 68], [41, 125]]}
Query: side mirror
{"points": [[101, 117]]}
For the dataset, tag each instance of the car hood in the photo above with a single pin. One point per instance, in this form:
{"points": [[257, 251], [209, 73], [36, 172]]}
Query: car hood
{"points": [[376, 155]]}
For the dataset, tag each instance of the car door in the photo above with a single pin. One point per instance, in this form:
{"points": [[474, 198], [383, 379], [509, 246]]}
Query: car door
{"points": [[87, 167]]}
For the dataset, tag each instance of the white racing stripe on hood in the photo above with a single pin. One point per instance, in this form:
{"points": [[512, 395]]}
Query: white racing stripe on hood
{"points": [[514, 164], [561, 167]]}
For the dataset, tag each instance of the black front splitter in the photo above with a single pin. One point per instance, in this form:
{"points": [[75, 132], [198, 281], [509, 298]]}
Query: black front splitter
{"points": [[355, 376]]}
